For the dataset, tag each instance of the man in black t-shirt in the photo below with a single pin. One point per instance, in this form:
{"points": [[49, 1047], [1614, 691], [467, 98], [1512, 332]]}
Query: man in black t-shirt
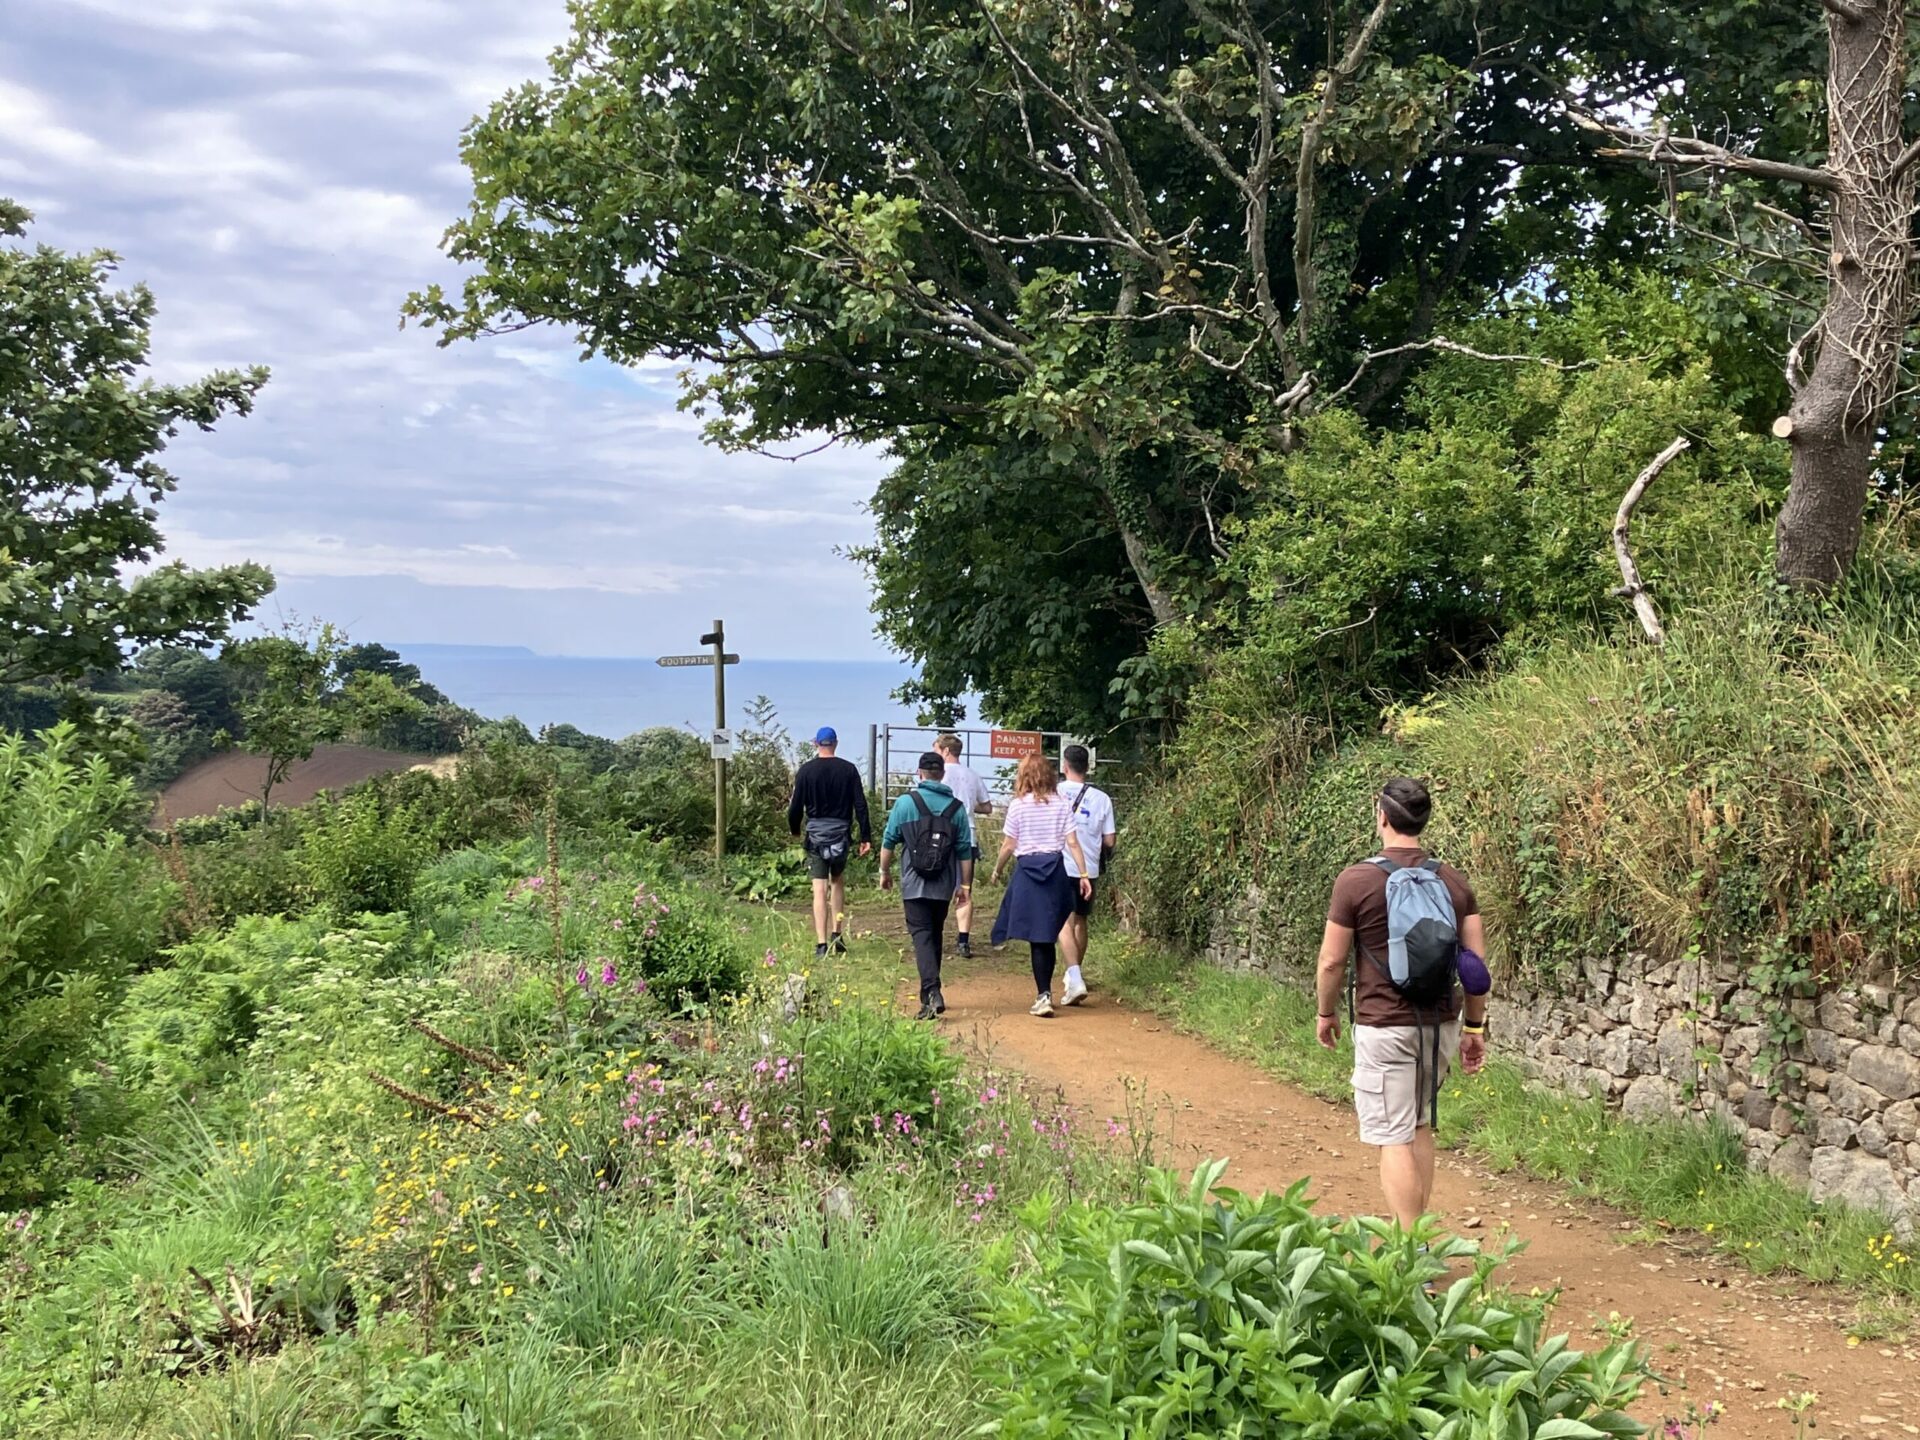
{"points": [[829, 797]]}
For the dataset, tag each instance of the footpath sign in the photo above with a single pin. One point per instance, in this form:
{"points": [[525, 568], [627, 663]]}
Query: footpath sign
{"points": [[1014, 744], [720, 739]]}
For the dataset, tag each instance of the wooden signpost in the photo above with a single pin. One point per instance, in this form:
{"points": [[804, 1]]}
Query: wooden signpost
{"points": [[720, 743]]}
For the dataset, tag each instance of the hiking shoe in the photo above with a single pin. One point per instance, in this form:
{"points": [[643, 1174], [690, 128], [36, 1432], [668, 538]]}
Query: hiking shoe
{"points": [[927, 1012], [1073, 992], [1043, 1007], [839, 945], [938, 1002], [820, 951], [964, 950]]}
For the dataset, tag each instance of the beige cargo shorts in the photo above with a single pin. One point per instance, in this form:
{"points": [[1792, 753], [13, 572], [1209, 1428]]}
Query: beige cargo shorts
{"points": [[1387, 1071]]}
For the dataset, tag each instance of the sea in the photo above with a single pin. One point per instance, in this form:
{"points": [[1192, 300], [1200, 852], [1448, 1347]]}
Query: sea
{"points": [[615, 697]]}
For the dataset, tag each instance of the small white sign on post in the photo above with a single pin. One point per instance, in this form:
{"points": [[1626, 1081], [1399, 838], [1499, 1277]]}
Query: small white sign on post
{"points": [[720, 744]]}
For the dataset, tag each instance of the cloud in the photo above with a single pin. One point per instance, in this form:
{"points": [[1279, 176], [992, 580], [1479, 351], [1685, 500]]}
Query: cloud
{"points": [[280, 176], [484, 566]]}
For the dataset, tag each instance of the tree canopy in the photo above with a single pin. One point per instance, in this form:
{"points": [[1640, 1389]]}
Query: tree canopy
{"points": [[1091, 269], [80, 481]]}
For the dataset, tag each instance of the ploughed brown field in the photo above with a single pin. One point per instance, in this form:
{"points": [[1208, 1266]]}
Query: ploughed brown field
{"points": [[236, 777]]}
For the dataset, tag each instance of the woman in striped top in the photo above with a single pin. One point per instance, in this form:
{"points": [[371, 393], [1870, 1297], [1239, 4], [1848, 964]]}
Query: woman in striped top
{"points": [[1037, 836]]}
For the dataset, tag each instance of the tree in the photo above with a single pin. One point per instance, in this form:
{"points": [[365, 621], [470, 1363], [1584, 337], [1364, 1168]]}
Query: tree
{"points": [[381, 660], [1118, 253], [297, 698], [1852, 188], [79, 479]]}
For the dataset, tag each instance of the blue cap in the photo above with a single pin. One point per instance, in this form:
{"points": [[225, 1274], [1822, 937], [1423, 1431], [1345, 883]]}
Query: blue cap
{"points": [[825, 736]]}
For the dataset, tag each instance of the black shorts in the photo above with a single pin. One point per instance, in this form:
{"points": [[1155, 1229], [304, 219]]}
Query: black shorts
{"points": [[1085, 906], [821, 868]]}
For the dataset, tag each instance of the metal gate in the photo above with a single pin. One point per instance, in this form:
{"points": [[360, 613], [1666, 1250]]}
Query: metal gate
{"points": [[894, 751]]}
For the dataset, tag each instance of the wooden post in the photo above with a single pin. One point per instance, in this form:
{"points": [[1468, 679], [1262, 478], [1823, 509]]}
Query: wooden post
{"points": [[718, 639]]}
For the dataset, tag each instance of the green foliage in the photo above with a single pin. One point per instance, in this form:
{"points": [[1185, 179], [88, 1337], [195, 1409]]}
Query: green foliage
{"points": [[678, 944], [296, 696], [866, 1067], [235, 864], [884, 1291], [978, 270], [1204, 1311], [79, 479], [78, 909], [361, 854]]}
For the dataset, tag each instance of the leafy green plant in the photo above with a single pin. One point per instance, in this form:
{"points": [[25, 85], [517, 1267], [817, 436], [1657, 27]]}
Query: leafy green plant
{"points": [[677, 945], [361, 855], [864, 1067], [1205, 1311], [78, 907]]}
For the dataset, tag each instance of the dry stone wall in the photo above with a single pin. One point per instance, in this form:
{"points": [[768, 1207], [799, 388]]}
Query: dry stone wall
{"points": [[1682, 1040]]}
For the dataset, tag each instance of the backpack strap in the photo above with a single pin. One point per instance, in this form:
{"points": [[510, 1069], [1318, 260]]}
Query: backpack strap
{"points": [[921, 805], [958, 807], [1389, 866]]}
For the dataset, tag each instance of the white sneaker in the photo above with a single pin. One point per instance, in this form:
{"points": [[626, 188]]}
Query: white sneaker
{"points": [[1073, 992], [1043, 1007]]}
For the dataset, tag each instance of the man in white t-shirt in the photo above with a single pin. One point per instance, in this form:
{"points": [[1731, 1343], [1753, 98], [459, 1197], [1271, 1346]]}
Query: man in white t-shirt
{"points": [[1093, 820], [971, 791]]}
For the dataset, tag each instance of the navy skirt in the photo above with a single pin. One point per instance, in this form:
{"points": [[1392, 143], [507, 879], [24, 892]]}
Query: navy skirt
{"points": [[1038, 900]]}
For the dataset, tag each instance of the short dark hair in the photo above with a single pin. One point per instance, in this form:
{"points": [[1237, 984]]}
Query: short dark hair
{"points": [[1075, 757], [933, 765], [1406, 804]]}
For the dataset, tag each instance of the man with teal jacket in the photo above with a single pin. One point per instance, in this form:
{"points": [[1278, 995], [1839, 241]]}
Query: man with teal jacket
{"points": [[933, 834]]}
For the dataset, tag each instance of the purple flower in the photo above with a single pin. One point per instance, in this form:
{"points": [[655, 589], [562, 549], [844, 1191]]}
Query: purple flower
{"points": [[608, 975], [581, 977], [770, 959]]}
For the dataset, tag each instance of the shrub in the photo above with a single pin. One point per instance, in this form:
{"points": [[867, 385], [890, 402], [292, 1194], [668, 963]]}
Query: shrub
{"points": [[863, 1067], [361, 855], [683, 951], [1210, 1312], [240, 869], [78, 907]]}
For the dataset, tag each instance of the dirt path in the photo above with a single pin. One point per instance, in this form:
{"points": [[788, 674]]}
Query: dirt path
{"points": [[1716, 1331]]}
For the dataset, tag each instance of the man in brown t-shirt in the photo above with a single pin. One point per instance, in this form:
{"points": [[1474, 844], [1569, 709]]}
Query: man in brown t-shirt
{"points": [[1393, 1084]]}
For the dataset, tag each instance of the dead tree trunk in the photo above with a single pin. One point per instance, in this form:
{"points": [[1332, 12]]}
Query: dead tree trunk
{"points": [[1838, 404]]}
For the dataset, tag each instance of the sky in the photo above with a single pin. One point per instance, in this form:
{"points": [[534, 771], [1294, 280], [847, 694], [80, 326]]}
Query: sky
{"points": [[279, 173]]}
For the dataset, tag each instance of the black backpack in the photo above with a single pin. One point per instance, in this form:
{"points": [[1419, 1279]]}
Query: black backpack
{"points": [[931, 839]]}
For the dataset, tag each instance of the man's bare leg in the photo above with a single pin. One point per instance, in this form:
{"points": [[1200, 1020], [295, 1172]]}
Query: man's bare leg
{"points": [[820, 888], [1406, 1177], [839, 902]]}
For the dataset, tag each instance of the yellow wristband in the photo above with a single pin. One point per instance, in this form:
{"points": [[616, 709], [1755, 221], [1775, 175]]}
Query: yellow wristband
{"points": [[1466, 1029]]}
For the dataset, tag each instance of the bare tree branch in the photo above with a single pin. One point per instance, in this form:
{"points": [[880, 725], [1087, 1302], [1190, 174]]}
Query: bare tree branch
{"points": [[1846, 10], [1305, 190], [1654, 147], [1631, 585], [1441, 342]]}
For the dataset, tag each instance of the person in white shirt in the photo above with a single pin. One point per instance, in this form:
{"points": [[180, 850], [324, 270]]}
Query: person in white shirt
{"points": [[971, 791], [1093, 822]]}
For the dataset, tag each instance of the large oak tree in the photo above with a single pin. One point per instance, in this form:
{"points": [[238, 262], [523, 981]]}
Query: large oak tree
{"points": [[1089, 267]]}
